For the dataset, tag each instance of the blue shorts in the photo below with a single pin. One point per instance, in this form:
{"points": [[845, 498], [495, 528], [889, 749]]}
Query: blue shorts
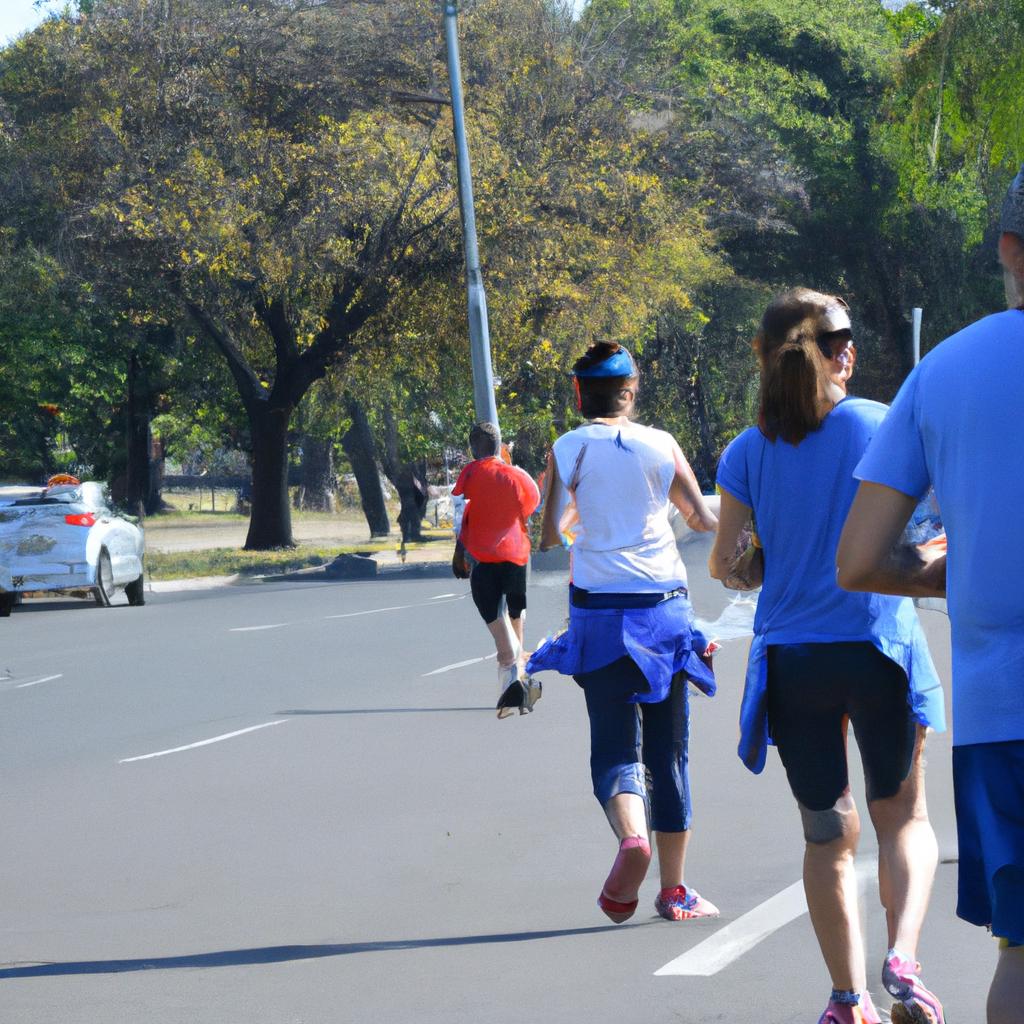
{"points": [[640, 748], [988, 784]]}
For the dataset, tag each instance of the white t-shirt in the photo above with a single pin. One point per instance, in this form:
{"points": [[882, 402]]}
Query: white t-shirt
{"points": [[620, 476]]}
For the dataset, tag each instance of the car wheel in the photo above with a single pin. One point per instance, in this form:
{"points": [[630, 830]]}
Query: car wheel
{"points": [[6, 605], [136, 591], [104, 581]]}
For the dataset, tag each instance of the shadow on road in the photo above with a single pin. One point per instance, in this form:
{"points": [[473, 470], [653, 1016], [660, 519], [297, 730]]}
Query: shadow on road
{"points": [[283, 954], [379, 711]]}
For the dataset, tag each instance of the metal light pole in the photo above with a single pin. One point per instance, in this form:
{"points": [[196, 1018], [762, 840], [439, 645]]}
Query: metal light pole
{"points": [[479, 335], [916, 322]]}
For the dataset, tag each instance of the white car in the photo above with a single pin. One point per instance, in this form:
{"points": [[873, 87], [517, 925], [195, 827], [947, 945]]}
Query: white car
{"points": [[67, 538]]}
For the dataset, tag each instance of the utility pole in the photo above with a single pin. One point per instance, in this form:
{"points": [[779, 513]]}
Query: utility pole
{"points": [[479, 335]]}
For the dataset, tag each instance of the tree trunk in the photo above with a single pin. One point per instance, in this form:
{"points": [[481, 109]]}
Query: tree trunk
{"points": [[358, 446], [411, 484], [270, 524], [155, 497], [704, 464], [409, 479], [316, 492], [137, 481]]}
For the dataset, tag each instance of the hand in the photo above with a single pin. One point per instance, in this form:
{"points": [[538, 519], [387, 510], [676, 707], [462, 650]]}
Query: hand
{"points": [[459, 568]]}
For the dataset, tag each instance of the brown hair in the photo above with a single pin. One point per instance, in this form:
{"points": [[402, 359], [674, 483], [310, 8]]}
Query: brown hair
{"points": [[484, 440], [602, 396], [793, 367]]}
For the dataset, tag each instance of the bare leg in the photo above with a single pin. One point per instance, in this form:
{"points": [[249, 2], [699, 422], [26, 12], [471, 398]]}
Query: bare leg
{"points": [[627, 815], [671, 856], [505, 641], [830, 882], [518, 626], [907, 855], [1006, 996]]}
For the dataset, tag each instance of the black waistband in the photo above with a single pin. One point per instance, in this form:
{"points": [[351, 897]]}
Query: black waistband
{"points": [[586, 599]]}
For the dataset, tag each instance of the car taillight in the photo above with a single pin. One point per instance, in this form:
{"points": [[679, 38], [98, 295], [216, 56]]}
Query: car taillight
{"points": [[83, 519]]}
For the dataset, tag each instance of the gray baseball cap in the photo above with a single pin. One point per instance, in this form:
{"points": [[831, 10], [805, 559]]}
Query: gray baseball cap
{"points": [[1012, 217]]}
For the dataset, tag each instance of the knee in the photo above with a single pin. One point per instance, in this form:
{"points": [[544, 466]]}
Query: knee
{"points": [[836, 824], [614, 780], [907, 806]]}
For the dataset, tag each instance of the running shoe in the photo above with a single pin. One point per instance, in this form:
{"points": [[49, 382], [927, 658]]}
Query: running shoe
{"points": [[517, 691], [916, 1004], [621, 891], [678, 903], [534, 692], [511, 689], [844, 1013]]}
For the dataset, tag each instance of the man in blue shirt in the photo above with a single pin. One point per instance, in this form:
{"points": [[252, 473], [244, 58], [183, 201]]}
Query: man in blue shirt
{"points": [[955, 426]]}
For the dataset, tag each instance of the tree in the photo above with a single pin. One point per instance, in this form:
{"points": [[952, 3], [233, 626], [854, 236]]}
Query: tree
{"points": [[248, 160]]}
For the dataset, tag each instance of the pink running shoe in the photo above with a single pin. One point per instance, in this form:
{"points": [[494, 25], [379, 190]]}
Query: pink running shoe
{"points": [[621, 891], [916, 1004], [681, 904], [843, 1013]]}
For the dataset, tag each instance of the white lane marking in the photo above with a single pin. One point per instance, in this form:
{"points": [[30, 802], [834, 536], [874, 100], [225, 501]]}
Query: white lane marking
{"points": [[731, 942], [394, 607], [253, 629], [203, 743], [458, 664], [36, 682], [370, 611]]}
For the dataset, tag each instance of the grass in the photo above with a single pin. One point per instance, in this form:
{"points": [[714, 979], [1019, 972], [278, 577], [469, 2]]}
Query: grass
{"points": [[178, 565]]}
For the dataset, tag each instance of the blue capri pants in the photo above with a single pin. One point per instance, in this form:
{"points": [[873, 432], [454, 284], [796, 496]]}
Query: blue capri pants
{"points": [[631, 742]]}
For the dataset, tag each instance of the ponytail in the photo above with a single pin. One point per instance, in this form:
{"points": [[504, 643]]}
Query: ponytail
{"points": [[792, 365]]}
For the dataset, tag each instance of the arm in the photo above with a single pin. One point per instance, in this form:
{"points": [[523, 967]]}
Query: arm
{"points": [[870, 556], [529, 495], [733, 516], [685, 495], [554, 496]]}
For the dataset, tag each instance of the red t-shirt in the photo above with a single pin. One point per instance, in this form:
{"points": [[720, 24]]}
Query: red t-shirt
{"points": [[500, 498]]}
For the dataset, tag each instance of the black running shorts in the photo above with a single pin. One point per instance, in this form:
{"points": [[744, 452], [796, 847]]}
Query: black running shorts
{"points": [[491, 581], [813, 689]]}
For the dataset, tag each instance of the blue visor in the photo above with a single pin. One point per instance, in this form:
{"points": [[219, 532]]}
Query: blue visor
{"points": [[618, 365]]}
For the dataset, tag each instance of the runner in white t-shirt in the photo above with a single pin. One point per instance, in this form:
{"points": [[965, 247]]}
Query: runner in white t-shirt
{"points": [[630, 644]]}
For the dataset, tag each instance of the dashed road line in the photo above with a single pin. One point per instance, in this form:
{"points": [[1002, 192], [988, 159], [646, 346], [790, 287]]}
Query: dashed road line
{"points": [[36, 682], [203, 743], [458, 664], [395, 607], [370, 611], [254, 629]]}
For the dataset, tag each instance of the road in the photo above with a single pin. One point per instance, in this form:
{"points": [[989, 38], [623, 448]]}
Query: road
{"points": [[291, 803]]}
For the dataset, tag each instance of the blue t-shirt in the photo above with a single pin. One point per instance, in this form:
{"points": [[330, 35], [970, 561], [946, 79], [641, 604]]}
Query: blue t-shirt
{"points": [[956, 424], [800, 495]]}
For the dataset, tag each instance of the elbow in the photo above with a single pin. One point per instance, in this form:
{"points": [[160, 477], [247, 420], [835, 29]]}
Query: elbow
{"points": [[852, 577]]}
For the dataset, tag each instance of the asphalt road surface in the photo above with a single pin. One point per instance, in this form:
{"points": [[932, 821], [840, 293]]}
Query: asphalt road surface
{"points": [[292, 804]]}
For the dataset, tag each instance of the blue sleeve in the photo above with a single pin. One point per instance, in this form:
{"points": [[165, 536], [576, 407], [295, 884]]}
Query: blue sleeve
{"points": [[732, 470], [895, 457]]}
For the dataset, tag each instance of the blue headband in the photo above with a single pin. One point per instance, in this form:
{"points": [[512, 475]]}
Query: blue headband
{"points": [[620, 364]]}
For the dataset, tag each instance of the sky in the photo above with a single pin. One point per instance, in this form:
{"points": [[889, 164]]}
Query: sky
{"points": [[17, 16]]}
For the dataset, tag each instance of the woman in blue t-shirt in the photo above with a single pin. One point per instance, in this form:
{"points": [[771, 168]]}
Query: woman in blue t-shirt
{"points": [[822, 658]]}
